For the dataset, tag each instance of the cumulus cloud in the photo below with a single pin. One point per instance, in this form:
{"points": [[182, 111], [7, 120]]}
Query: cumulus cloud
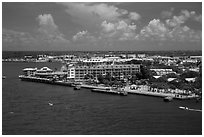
{"points": [[82, 35], [183, 17], [11, 36], [96, 12], [184, 33], [119, 30], [157, 30], [47, 36], [167, 13], [91, 15], [48, 30], [173, 29], [134, 16], [154, 30], [107, 27]]}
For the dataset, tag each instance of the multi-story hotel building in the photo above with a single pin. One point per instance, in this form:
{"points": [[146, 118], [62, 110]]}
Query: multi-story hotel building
{"points": [[79, 72]]}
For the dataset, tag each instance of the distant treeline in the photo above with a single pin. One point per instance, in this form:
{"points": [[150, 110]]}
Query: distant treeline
{"points": [[21, 54]]}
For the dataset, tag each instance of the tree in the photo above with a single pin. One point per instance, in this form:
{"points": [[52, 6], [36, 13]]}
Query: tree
{"points": [[100, 78], [185, 86], [198, 83], [172, 75], [146, 73], [108, 76], [161, 79], [190, 74], [161, 85], [88, 76]]}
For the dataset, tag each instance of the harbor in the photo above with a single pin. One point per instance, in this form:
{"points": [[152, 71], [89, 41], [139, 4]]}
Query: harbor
{"points": [[72, 84], [102, 68], [133, 89], [29, 103]]}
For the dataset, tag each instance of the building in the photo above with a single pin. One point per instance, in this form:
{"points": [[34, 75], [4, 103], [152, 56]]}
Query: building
{"points": [[44, 72], [94, 61], [79, 72], [161, 72], [29, 71], [131, 56], [141, 55]]}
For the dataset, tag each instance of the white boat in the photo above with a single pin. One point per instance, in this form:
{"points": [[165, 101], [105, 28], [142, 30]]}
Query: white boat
{"points": [[77, 87], [168, 99], [190, 109], [184, 108], [51, 104]]}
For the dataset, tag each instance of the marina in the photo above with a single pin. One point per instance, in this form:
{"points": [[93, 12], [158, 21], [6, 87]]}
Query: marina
{"points": [[132, 89], [102, 68], [73, 105]]}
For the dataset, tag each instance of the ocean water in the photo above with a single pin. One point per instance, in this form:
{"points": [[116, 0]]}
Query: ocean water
{"points": [[25, 110]]}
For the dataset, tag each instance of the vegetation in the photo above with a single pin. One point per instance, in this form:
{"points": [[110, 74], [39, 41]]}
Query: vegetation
{"points": [[146, 76]]}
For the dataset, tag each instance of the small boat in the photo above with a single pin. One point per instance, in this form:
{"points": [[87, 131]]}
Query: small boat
{"points": [[3, 77], [168, 99], [198, 99], [124, 93], [51, 104], [77, 87], [184, 108]]}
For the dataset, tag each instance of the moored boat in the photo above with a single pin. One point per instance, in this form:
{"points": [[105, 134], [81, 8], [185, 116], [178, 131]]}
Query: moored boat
{"points": [[168, 99], [111, 91], [77, 87]]}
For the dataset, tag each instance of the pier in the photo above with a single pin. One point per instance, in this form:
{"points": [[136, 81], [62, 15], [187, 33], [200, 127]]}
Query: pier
{"points": [[94, 88], [110, 91], [45, 80]]}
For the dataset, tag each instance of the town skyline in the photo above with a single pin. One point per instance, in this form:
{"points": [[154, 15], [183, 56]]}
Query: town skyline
{"points": [[134, 26]]}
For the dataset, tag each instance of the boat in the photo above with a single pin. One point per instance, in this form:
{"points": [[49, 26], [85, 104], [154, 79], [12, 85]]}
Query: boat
{"points": [[168, 99], [184, 108], [189, 109], [50, 104], [3, 77], [77, 87], [94, 86], [198, 99], [110, 91]]}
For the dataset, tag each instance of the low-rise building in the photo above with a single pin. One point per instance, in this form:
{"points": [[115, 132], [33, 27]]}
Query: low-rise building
{"points": [[161, 72], [141, 55], [79, 72]]}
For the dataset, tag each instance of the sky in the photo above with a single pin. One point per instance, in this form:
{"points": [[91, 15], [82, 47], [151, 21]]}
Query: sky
{"points": [[88, 26]]}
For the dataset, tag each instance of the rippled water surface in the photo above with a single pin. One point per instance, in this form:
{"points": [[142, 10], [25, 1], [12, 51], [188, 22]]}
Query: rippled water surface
{"points": [[26, 110]]}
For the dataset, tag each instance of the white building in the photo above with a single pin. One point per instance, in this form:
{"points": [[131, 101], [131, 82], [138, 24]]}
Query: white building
{"points": [[141, 55], [161, 72]]}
